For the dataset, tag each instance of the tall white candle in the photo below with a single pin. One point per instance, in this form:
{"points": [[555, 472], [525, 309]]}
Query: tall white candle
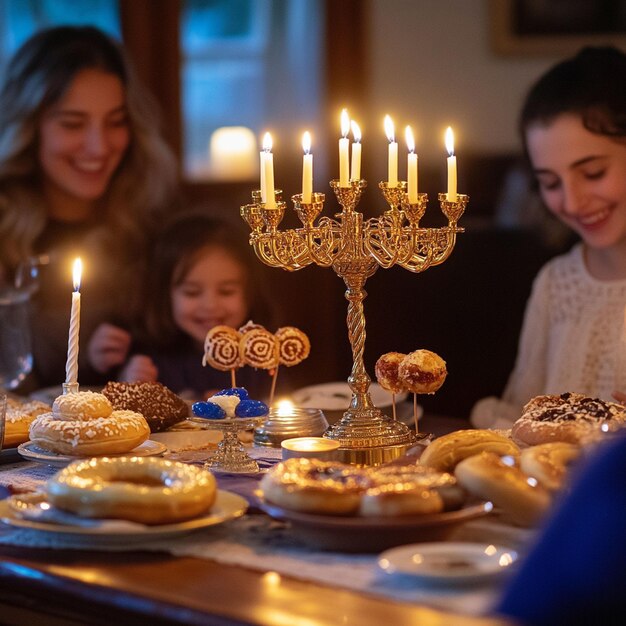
{"points": [[411, 166], [267, 173], [307, 168], [71, 365], [452, 196], [392, 169], [355, 164], [344, 146]]}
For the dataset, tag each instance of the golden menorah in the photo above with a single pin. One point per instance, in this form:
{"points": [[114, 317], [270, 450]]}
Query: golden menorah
{"points": [[355, 248]]}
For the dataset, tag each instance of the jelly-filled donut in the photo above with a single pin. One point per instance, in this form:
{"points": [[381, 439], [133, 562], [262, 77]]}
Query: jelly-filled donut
{"points": [[221, 348], [422, 371], [148, 490], [386, 370]]}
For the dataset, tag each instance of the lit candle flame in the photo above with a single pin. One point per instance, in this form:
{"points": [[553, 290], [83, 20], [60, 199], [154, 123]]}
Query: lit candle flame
{"points": [[306, 142], [267, 142], [345, 123], [410, 141], [449, 141], [284, 408], [77, 272], [389, 130], [356, 131]]}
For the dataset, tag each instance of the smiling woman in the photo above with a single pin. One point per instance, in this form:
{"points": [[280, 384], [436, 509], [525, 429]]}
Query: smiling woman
{"points": [[83, 172]]}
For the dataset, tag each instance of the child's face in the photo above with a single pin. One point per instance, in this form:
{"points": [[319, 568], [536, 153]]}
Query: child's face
{"points": [[83, 137], [213, 292], [582, 178]]}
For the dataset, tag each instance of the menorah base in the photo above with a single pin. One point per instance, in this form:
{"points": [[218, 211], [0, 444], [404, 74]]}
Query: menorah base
{"points": [[369, 437]]}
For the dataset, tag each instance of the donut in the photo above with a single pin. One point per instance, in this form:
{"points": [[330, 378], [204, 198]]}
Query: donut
{"points": [[422, 371], [446, 451], [19, 417], [84, 405], [120, 432], [148, 490], [314, 486], [522, 500], [259, 349], [394, 499], [386, 371], [160, 406], [293, 345], [570, 417], [549, 463], [221, 348]]}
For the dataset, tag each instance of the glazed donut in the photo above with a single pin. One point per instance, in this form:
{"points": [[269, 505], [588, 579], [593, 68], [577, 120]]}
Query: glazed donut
{"points": [[221, 348], [549, 462], [446, 451], [393, 499], [120, 432], [148, 490], [422, 371], [19, 417], [84, 405], [521, 499], [293, 345], [570, 417], [160, 406], [259, 349], [386, 370], [313, 486]]}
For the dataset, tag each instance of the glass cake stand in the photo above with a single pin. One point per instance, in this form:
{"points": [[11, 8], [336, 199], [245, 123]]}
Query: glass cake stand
{"points": [[230, 456]]}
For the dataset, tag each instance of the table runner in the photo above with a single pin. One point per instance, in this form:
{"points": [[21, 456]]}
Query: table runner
{"points": [[260, 543]]}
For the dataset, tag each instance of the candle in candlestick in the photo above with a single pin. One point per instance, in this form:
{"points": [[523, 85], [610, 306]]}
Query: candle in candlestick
{"points": [[71, 366], [451, 166], [411, 166], [267, 173], [355, 165], [307, 168], [392, 170], [344, 146]]}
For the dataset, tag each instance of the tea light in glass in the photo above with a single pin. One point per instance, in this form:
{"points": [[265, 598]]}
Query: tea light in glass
{"points": [[310, 448]]}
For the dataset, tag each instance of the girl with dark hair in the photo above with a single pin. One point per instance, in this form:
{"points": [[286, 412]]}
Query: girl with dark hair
{"points": [[202, 274], [573, 126]]}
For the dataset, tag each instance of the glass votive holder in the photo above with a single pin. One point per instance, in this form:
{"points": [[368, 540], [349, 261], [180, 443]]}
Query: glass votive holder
{"points": [[288, 423], [310, 448]]}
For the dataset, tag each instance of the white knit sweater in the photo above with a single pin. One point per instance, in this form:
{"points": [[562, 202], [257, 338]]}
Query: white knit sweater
{"points": [[572, 340]]}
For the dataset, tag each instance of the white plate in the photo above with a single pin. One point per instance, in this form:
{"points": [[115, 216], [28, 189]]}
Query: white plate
{"points": [[448, 562], [31, 452], [228, 506], [336, 396]]}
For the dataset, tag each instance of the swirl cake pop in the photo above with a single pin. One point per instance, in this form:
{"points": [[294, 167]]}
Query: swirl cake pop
{"points": [[293, 345], [422, 371], [259, 349], [221, 348], [386, 370]]}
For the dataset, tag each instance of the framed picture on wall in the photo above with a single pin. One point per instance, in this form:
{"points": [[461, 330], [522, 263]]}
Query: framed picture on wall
{"points": [[555, 27]]}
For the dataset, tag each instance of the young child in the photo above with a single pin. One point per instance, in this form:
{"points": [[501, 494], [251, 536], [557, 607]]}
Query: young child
{"points": [[202, 274], [573, 126]]}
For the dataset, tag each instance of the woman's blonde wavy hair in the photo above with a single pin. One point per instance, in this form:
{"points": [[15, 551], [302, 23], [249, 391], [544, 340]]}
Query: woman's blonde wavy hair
{"points": [[143, 185]]}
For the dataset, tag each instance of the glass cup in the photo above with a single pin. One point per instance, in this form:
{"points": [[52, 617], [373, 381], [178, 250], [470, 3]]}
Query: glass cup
{"points": [[16, 358], [3, 411]]}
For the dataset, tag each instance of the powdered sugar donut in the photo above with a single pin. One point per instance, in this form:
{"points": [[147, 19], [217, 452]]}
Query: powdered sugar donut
{"points": [[19, 417], [259, 349], [293, 345], [81, 405], [221, 348]]}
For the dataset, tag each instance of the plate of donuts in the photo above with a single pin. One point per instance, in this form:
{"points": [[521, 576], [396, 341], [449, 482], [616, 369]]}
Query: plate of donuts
{"points": [[373, 534], [228, 506], [32, 452]]}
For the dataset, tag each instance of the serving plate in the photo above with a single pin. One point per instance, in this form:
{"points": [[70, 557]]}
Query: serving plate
{"points": [[228, 506], [373, 534], [32, 452], [449, 562]]}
